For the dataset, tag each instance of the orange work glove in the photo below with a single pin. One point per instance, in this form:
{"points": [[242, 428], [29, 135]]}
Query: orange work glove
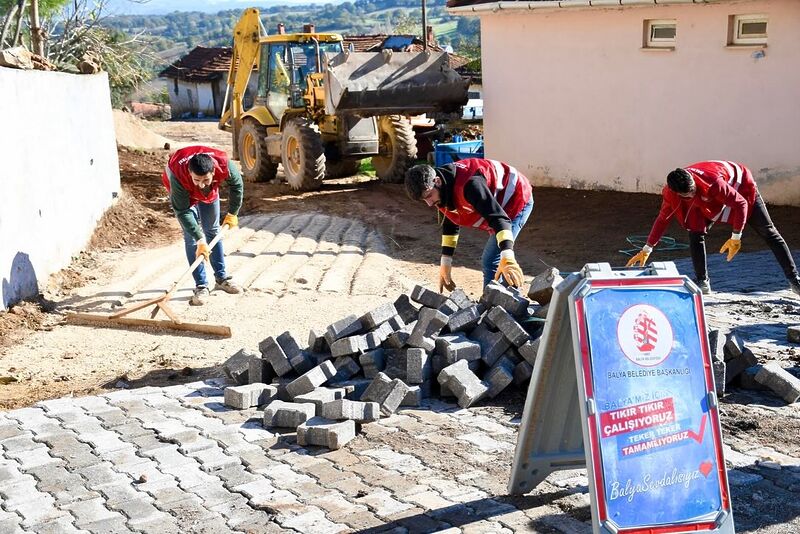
{"points": [[641, 257], [231, 220], [733, 245], [510, 269], [202, 249], [445, 278]]}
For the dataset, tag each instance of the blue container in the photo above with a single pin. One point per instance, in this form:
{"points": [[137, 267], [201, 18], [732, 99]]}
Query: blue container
{"points": [[449, 152]]}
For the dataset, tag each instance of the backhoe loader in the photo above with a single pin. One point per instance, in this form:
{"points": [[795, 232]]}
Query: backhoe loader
{"points": [[319, 109]]}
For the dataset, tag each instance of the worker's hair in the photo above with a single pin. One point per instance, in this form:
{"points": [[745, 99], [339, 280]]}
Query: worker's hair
{"points": [[680, 181], [419, 179], [201, 164]]}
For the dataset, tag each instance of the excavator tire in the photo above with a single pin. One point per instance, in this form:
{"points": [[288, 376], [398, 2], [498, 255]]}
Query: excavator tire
{"points": [[302, 155], [257, 166], [398, 148], [341, 168]]}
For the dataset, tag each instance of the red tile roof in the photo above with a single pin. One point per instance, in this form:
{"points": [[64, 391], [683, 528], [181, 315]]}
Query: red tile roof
{"points": [[374, 42], [202, 64]]}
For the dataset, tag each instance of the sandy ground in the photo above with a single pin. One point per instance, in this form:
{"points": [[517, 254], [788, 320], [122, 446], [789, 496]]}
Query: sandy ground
{"points": [[136, 250]]}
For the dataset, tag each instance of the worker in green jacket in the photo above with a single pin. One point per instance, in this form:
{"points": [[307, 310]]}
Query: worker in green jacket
{"points": [[193, 177]]}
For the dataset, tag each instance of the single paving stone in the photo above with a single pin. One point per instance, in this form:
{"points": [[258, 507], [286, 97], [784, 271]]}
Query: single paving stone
{"points": [[399, 339], [405, 309], [360, 412], [418, 366], [237, 367], [248, 396], [346, 346], [499, 376], [345, 368], [496, 294], [312, 379], [386, 392], [317, 342], [781, 382], [448, 308], [522, 373], [429, 324], [354, 388], [287, 414], [272, 353], [426, 297], [793, 334], [498, 318], [543, 284], [378, 316], [342, 328], [464, 320], [461, 299], [462, 383], [718, 368], [325, 432], [734, 346], [493, 344], [320, 396], [261, 371]]}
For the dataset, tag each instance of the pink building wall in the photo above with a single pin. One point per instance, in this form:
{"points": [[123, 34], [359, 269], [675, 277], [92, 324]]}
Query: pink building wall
{"points": [[572, 100]]}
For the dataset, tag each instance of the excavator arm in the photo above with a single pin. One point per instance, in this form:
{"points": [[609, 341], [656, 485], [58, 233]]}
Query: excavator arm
{"points": [[246, 48]]}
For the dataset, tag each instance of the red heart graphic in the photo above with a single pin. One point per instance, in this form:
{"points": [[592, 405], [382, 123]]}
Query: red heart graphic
{"points": [[705, 468]]}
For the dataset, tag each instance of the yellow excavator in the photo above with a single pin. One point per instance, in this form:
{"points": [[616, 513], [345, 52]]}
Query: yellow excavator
{"points": [[319, 109]]}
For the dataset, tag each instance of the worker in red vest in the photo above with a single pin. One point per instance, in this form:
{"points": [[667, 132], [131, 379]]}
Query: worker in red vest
{"points": [[193, 177], [478, 193], [716, 191]]}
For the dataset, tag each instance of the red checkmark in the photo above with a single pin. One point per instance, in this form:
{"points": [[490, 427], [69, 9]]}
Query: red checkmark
{"points": [[698, 437]]}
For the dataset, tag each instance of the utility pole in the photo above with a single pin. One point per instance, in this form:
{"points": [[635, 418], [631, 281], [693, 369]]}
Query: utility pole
{"points": [[37, 35], [424, 26]]}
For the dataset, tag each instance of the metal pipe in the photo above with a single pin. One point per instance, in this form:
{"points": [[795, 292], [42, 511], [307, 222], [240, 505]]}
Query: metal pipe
{"points": [[424, 26]]}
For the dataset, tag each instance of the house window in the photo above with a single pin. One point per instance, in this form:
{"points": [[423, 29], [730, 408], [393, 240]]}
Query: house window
{"points": [[748, 29], [660, 33]]}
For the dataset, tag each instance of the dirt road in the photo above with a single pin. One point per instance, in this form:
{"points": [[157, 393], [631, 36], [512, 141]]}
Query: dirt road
{"points": [[136, 247]]}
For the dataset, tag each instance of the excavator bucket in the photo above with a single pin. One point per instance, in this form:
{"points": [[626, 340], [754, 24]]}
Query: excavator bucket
{"points": [[367, 84]]}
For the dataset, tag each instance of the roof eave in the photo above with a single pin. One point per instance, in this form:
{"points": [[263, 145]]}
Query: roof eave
{"points": [[516, 5]]}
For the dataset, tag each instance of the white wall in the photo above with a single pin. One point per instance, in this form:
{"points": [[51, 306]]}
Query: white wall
{"points": [[191, 98], [60, 173], [572, 100]]}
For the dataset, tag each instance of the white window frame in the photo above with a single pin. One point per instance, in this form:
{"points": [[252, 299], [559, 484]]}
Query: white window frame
{"points": [[738, 20], [650, 42]]}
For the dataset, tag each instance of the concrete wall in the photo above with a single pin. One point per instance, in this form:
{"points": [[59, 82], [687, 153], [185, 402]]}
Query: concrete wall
{"points": [[60, 173], [572, 99]]}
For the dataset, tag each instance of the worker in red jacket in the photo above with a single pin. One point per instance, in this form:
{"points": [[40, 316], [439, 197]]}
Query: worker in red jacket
{"points": [[193, 177], [716, 191], [478, 193]]}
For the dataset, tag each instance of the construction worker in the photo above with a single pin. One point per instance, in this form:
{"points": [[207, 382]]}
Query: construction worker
{"points": [[716, 191], [477, 193], [192, 177]]}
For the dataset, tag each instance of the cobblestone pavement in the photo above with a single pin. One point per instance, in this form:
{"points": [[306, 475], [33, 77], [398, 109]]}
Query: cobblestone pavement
{"points": [[175, 459]]}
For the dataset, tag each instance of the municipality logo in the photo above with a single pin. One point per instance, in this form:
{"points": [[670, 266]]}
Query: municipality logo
{"points": [[645, 335]]}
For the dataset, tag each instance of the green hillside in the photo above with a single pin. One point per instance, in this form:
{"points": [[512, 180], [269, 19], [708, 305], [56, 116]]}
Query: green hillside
{"points": [[174, 33]]}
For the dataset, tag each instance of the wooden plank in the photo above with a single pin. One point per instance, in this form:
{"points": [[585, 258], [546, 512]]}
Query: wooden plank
{"points": [[105, 320]]}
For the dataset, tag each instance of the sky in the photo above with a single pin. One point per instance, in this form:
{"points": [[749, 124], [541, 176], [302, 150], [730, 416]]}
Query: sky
{"points": [[159, 7]]}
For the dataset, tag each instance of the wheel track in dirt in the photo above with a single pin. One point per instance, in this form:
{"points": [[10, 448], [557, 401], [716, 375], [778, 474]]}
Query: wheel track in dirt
{"points": [[279, 254]]}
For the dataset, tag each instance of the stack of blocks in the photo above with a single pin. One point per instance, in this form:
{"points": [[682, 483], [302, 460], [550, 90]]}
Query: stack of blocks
{"points": [[360, 369]]}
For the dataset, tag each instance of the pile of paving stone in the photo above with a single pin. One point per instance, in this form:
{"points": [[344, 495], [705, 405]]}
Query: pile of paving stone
{"points": [[423, 344], [735, 365]]}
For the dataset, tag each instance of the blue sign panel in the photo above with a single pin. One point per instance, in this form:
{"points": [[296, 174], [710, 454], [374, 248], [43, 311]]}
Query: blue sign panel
{"points": [[655, 437]]}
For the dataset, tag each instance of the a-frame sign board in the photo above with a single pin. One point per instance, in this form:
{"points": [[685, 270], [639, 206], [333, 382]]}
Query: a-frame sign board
{"points": [[623, 385]]}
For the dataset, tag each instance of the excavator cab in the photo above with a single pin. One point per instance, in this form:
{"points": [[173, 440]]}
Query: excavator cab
{"points": [[284, 81]]}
